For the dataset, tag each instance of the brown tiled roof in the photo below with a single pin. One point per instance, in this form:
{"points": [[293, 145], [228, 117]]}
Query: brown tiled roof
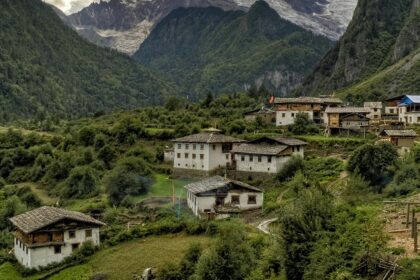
{"points": [[41, 217], [206, 137], [216, 182], [259, 149], [309, 100], [402, 133], [347, 110]]}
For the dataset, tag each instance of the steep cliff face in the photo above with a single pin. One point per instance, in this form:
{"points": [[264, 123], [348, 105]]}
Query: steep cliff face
{"points": [[125, 24], [381, 33], [208, 49], [387, 64]]}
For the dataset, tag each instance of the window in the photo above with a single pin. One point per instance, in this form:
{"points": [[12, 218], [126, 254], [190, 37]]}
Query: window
{"points": [[187, 146], [74, 246], [391, 111], [16, 241], [26, 250], [193, 156], [269, 159], [201, 147], [252, 199], [179, 146], [283, 115], [235, 199], [72, 234], [226, 148], [88, 233], [251, 158], [293, 114], [186, 155], [178, 155], [227, 156], [194, 146], [214, 147], [242, 158], [57, 249], [259, 158], [298, 149], [201, 156]]}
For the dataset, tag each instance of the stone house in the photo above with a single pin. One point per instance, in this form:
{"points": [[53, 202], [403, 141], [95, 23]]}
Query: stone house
{"points": [[404, 140], [375, 110], [266, 155], [201, 154], [48, 234], [218, 197], [287, 108]]}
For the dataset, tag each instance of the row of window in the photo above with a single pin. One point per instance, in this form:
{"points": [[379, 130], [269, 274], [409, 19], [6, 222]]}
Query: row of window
{"points": [[235, 199], [194, 146], [72, 233], [186, 155], [259, 158], [187, 165]]}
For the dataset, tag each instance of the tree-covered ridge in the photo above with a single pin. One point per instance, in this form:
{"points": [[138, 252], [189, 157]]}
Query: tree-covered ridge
{"points": [[208, 49], [47, 69], [380, 35]]}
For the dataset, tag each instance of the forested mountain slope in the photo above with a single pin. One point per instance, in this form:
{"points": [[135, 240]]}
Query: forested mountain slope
{"points": [[376, 57], [208, 49], [47, 69]]}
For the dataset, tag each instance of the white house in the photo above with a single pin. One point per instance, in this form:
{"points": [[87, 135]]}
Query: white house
{"points": [[48, 234], [405, 108], [375, 110], [403, 140], [287, 108], [201, 153], [218, 197], [267, 154]]}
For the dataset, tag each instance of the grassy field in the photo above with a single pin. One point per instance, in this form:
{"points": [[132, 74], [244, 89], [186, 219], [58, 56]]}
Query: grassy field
{"points": [[124, 260], [163, 187]]}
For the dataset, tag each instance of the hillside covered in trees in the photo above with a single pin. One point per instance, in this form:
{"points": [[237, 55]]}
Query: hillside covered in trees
{"points": [[377, 57], [208, 49], [47, 69]]}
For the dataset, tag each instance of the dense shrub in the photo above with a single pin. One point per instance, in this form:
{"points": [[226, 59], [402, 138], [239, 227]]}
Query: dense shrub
{"points": [[290, 168], [82, 182], [303, 125]]}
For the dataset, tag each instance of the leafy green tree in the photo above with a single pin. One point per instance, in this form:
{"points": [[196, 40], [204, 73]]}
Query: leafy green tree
{"points": [[372, 162], [86, 136], [107, 154], [12, 207], [173, 103], [290, 168], [6, 167], [82, 182], [303, 125]]}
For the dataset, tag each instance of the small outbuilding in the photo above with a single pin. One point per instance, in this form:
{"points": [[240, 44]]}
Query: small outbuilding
{"points": [[49, 234], [218, 197], [402, 139]]}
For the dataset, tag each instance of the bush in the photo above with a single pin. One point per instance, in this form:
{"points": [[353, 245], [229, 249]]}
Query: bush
{"points": [[82, 182], [290, 168], [303, 125]]}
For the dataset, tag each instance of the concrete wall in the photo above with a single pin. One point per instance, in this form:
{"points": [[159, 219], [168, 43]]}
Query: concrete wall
{"points": [[42, 256], [168, 156], [391, 110], [413, 118], [259, 163], [288, 117]]}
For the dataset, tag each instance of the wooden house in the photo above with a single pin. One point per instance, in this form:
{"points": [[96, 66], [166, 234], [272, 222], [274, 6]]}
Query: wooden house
{"points": [[348, 118], [404, 140], [48, 234], [266, 155], [218, 197]]}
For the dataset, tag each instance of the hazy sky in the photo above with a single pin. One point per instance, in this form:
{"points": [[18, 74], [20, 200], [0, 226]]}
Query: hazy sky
{"points": [[70, 6]]}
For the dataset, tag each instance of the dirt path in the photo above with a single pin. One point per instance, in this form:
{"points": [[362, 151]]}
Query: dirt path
{"points": [[264, 226]]}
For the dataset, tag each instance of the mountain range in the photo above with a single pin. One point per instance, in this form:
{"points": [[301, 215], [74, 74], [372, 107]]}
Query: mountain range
{"points": [[125, 24], [377, 57], [209, 49], [46, 69]]}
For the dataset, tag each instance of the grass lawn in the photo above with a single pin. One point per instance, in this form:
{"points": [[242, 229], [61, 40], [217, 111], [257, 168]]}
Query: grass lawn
{"points": [[163, 187], [122, 261]]}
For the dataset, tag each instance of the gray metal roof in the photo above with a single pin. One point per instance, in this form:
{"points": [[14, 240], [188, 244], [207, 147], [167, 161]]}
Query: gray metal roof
{"points": [[208, 137], [400, 133], [343, 110], [414, 98], [44, 216], [259, 149], [216, 182]]}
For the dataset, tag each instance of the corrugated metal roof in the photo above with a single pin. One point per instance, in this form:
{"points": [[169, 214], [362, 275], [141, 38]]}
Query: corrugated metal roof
{"points": [[259, 149], [338, 110], [216, 182], [402, 133], [207, 137], [41, 217]]}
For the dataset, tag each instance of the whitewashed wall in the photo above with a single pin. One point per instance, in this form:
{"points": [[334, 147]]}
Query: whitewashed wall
{"points": [[288, 117]]}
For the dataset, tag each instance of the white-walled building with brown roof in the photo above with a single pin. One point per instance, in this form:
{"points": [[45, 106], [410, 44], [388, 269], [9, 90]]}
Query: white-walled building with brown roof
{"points": [[220, 197], [203, 152], [403, 139], [266, 154], [48, 234]]}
